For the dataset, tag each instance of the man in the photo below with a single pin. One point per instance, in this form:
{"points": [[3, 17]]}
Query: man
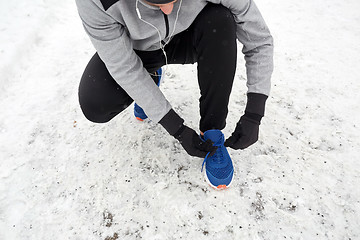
{"points": [[135, 38]]}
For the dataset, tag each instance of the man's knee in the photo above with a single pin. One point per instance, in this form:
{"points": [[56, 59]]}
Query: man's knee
{"points": [[100, 112], [100, 97], [216, 15]]}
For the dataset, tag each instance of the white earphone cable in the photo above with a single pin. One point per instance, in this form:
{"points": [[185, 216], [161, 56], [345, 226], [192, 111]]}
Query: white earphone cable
{"points": [[162, 46]]}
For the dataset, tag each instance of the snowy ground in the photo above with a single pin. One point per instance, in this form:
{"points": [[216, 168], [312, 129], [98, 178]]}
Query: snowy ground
{"points": [[62, 177]]}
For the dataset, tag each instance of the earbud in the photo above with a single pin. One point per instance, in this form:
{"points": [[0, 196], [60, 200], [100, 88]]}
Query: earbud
{"points": [[137, 9], [138, 12]]}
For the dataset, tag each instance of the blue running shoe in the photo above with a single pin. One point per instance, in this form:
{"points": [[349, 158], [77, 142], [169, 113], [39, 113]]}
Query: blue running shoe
{"points": [[138, 111], [219, 168]]}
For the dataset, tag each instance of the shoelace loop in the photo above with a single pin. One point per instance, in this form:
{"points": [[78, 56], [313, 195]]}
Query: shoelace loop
{"points": [[219, 159]]}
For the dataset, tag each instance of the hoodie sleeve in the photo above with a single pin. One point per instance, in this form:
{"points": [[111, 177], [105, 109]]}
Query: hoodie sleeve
{"points": [[253, 33], [115, 49]]}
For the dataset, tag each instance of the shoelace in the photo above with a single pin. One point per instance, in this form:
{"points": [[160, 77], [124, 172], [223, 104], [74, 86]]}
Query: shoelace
{"points": [[219, 159]]}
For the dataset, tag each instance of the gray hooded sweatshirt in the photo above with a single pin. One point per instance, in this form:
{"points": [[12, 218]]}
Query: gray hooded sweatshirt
{"points": [[115, 29]]}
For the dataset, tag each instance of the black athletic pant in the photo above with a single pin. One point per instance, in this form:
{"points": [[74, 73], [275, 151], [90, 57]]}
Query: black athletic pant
{"points": [[210, 41]]}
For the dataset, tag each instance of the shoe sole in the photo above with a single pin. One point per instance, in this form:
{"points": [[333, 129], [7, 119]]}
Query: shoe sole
{"points": [[219, 187]]}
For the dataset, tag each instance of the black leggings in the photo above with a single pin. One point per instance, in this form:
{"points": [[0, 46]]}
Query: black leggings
{"points": [[210, 41]]}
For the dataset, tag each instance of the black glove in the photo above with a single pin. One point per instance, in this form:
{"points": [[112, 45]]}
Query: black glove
{"points": [[247, 129], [187, 137], [192, 143], [246, 133]]}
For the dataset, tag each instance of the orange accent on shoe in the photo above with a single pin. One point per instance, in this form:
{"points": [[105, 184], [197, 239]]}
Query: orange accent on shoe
{"points": [[139, 119], [221, 187]]}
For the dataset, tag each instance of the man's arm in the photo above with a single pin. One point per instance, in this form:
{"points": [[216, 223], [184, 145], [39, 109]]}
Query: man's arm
{"points": [[257, 41], [253, 33], [116, 51]]}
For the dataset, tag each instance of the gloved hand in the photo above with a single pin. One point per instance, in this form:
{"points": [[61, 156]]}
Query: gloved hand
{"points": [[247, 129], [192, 143], [187, 137], [246, 133]]}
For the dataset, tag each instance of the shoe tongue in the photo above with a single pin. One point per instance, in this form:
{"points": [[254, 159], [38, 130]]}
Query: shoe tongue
{"points": [[214, 135]]}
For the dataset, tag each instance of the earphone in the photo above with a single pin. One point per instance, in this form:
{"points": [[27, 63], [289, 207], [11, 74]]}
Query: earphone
{"points": [[137, 10], [162, 46]]}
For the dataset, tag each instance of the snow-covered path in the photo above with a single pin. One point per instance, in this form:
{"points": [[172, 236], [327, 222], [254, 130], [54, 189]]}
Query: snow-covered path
{"points": [[62, 177]]}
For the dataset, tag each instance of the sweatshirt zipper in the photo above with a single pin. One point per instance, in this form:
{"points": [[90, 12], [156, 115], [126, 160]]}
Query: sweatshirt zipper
{"points": [[166, 25]]}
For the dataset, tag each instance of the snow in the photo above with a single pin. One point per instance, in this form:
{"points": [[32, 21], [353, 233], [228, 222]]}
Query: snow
{"points": [[63, 177]]}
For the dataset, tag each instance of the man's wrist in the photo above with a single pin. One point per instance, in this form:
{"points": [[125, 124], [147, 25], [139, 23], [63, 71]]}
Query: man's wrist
{"points": [[253, 117], [172, 122], [256, 104]]}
